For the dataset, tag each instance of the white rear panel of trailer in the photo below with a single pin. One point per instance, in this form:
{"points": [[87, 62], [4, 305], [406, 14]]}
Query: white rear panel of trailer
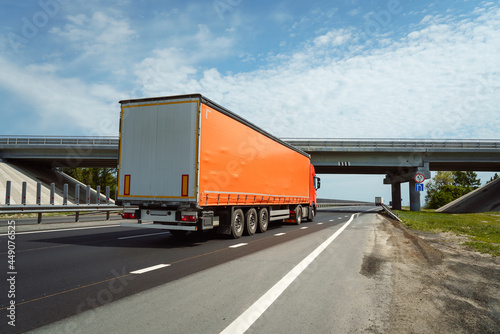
{"points": [[159, 150]]}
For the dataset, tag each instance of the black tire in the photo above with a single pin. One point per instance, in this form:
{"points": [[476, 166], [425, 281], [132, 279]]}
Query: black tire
{"points": [[251, 221], [263, 219], [313, 213], [298, 215], [237, 223]]}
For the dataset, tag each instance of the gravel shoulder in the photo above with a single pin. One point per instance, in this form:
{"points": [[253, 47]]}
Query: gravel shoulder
{"points": [[439, 286]]}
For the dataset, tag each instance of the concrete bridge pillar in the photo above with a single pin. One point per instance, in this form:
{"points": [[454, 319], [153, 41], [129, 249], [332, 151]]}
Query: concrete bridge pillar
{"points": [[396, 196], [414, 197], [395, 181]]}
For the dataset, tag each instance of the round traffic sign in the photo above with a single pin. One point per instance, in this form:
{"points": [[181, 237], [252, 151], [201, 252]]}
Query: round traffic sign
{"points": [[419, 177]]}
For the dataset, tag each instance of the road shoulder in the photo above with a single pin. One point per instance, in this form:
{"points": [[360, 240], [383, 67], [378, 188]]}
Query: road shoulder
{"points": [[440, 286]]}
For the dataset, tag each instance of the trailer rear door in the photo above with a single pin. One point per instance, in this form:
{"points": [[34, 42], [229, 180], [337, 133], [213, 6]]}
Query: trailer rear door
{"points": [[159, 150]]}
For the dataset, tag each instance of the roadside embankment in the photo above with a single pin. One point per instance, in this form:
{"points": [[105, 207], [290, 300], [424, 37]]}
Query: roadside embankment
{"points": [[477, 231], [440, 285]]}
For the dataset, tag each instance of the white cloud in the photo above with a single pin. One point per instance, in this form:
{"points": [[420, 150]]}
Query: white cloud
{"points": [[208, 46], [333, 38], [63, 104], [167, 71], [312, 17], [440, 81], [42, 68], [96, 34], [173, 69]]}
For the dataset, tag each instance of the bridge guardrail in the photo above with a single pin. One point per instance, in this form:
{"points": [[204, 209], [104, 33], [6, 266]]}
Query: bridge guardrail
{"points": [[49, 140], [329, 205], [390, 213], [313, 142], [396, 143]]}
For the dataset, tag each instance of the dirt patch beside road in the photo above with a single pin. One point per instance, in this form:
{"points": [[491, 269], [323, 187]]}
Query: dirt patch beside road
{"points": [[439, 286]]}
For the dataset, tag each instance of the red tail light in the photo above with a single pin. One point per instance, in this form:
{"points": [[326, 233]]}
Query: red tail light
{"points": [[128, 215], [188, 218]]}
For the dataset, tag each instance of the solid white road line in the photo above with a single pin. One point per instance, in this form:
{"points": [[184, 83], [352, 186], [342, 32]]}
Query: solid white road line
{"points": [[245, 320], [145, 270], [64, 229], [238, 245], [142, 235]]}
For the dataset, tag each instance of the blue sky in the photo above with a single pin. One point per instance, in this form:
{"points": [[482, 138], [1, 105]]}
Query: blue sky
{"points": [[334, 69]]}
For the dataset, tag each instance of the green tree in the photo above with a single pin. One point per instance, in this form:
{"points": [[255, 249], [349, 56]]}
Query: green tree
{"points": [[448, 186], [466, 179], [493, 178], [448, 193], [94, 177], [437, 183]]}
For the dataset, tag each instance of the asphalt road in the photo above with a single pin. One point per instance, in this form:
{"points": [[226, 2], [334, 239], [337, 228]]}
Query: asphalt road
{"points": [[305, 278]]}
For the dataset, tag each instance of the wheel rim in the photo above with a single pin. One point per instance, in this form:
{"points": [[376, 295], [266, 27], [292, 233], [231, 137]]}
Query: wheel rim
{"points": [[264, 220], [252, 221], [238, 225]]}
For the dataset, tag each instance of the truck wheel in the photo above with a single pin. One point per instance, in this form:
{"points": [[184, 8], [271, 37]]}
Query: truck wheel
{"points": [[237, 223], [310, 214], [298, 215], [313, 213], [263, 220], [251, 221]]}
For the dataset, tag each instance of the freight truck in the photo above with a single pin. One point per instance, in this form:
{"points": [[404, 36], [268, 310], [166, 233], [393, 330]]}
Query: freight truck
{"points": [[189, 164]]}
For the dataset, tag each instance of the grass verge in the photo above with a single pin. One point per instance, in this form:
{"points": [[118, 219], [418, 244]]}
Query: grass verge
{"points": [[482, 229]]}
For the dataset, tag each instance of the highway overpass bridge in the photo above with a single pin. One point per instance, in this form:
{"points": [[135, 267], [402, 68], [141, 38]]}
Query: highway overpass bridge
{"points": [[399, 160]]}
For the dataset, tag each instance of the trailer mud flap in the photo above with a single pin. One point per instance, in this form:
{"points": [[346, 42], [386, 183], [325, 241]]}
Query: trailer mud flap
{"points": [[207, 220]]}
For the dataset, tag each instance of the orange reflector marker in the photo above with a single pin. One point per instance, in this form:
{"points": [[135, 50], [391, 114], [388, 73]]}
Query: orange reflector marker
{"points": [[185, 185], [126, 190]]}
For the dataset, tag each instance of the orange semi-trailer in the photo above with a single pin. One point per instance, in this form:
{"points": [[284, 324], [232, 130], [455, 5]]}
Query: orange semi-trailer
{"points": [[190, 165]]}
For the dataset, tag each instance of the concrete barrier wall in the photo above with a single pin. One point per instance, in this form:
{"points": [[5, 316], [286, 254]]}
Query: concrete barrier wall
{"points": [[18, 174], [484, 199]]}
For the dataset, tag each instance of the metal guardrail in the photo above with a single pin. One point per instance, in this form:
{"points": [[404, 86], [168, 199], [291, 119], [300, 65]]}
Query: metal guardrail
{"points": [[40, 208], [329, 205], [53, 140], [390, 213], [313, 142], [396, 143], [47, 208]]}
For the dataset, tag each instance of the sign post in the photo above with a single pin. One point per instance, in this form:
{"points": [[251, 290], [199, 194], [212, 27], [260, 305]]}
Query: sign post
{"points": [[419, 185]]}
